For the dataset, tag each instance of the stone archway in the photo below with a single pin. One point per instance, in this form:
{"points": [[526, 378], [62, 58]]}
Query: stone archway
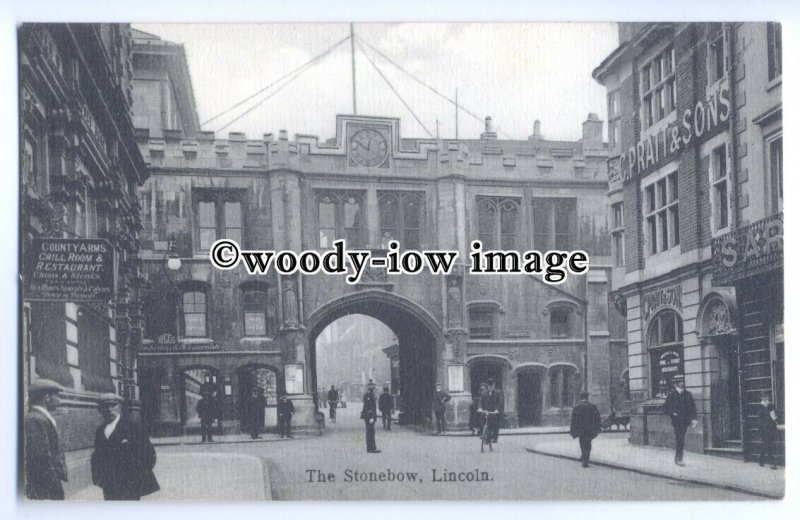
{"points": [[419, 338]]}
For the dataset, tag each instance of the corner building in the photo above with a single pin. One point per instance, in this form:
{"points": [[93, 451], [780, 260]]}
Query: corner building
{"points": [[695, 201], [541, 343]]}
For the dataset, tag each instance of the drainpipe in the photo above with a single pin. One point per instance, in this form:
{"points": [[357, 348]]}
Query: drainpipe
{"points": [[586, 341]]}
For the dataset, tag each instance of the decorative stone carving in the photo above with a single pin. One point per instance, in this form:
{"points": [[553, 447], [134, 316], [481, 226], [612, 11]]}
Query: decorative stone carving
{"points": [[621, 303], [717, 319], [455, 301]]}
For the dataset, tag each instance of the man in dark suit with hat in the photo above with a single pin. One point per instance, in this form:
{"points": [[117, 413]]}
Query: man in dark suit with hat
{"points": [[369, 412], [45, 467], [681, 410], [492, 401], [585, 425], [123, 458], [207, 411], [285, 412], [440, 397]]}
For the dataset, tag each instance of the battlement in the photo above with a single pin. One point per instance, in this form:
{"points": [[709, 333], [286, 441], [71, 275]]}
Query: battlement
{"points": [[487, 156]]}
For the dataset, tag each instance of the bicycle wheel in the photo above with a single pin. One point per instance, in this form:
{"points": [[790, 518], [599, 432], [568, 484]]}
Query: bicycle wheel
{"points": [[484, 438]]}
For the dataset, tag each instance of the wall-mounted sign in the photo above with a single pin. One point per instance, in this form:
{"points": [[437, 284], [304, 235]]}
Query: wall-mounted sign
{"points": [[748, 251], [69, 269], [693, 124], [293, 378], [168, 344], [664, 365], [455, 378], [663, 297]]}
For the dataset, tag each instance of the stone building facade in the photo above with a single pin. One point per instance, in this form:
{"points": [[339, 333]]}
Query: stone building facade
{"points": [[695, 157], [80, 169]]}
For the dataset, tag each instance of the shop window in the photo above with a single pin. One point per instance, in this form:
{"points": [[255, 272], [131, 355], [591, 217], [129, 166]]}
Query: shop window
{"points": [[254, 307], [402, 215], [195, 313], [657, 87], [219, 215], [774, 51], [776, 356], [554, 223], [665, 342], [498, 222], [775, 169], [340, 215], [618, 233], [564, 384], [481, 323], [720, 200], [661, 214]]}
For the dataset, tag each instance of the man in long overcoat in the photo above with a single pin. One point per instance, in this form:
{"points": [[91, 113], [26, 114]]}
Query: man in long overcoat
{"points": [[369, 412], [585, 425], [207, 410], [333, 402], [285, 412], [492, 401], [123, 458], [440, 397], [256, 413], [45, 467], [681, 410], [386, 407]]}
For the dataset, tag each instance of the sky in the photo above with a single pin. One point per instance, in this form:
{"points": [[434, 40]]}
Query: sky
{"points": [[515, 73]]}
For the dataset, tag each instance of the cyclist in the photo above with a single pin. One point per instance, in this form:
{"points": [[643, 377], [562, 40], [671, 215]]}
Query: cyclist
{"points": [[333, 401], [492, 403]]}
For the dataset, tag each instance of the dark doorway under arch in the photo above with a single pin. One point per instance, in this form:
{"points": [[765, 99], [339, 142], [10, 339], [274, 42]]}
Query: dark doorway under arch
{"points": [[193, 380], [416, 337], [530, 385]]}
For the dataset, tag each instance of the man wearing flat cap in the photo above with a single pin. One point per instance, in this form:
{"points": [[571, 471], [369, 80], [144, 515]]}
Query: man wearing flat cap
{"points": [[681, 410], [123, 458], [585, 425], [45, 467], [369, 412]]}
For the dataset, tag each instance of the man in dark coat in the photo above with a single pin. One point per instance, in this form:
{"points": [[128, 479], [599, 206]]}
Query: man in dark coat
{"points": [[369, 412], [256, 413], [285, 412], [123, 459], [440, 397], [386, 406], [585, 425], [207, 410], [45, 467], [475, 419], [681, 410], [333, 402], [492, 401], [768, 427]]}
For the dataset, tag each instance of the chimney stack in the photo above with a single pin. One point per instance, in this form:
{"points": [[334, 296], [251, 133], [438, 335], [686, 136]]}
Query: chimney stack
{"points": [[488, 134], [593, 131]]}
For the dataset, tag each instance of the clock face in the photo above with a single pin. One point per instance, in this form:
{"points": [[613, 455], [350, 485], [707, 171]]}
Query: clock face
{"points": [[368, 148]]}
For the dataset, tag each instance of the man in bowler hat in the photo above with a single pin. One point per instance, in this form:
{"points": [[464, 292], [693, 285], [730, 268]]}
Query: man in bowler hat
{"points": [[45, 467], [369, 412], [585, 425], [681, 410], [123, 458], [285, 412], [207, 410], [440, 397]]}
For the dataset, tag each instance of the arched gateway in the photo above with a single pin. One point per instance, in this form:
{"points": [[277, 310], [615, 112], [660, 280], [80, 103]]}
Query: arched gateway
{"points": [[418, 335]]}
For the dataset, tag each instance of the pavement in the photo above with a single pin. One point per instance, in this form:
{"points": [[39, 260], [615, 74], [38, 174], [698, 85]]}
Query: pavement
{"points": [[187, 477], [710, 470]]}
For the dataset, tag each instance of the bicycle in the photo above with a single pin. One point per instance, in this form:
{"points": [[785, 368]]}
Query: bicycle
{"points": [[333, 405], [486, 434]]}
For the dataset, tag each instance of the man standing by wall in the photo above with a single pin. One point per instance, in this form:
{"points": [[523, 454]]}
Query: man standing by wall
{"points": [[45, 467], [681, 410], [585, 425], [369, 412], [333, 402], [386, 406], [123, 458], [440, 397], [285, 412], [207, 410]]}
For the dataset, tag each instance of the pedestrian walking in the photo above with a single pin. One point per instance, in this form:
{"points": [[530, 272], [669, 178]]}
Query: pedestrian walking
{"points": [[492, 401], [369, 412], [476, 419], [285, 412], [123, 459], [207, 411], [440, 397], [386, 407], [768, 428], [256, 413], [45, 467], [681, 410], [333, 402], [585, 425]]}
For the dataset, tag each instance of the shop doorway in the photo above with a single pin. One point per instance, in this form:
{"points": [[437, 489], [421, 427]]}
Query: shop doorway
{"points": [[482, 369], [530, 382], [256, 381], [725, 397], [194, 381]]}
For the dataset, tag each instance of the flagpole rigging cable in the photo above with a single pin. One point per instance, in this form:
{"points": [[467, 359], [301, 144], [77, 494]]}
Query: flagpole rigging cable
{"points": [[396, 93], [260, 91]]}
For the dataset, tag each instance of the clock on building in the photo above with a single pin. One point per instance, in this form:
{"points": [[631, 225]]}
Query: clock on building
{"points": [[368, 148]]}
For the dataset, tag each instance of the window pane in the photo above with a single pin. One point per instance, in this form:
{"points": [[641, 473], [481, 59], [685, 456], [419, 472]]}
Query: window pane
{"points": [[388, 212], [663, 230], [676, 236], [352, 213], [662, 193], [668, 328], [673, 187], [195, 324], [508, 226], [207, 214], [234, 234], [645, 78], [411, 239], [326, 237], [233, 214], [411, 213], [650, 196], [255, 324], [652, 235], [327, 212], [542, 225], [722, 204], [487, 224], [207, 238]]}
